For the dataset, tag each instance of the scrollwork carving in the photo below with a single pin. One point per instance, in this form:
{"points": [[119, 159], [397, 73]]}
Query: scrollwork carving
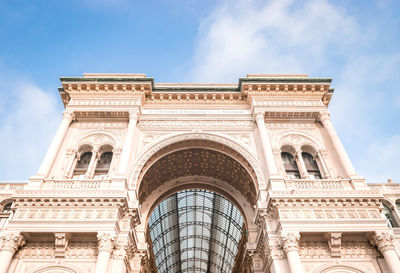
{"points": [[290, 241], [106, 241], [384, 240]]}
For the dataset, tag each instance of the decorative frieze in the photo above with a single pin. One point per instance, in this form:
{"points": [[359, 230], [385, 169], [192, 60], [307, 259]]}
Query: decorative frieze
{"points": [[349, 250], [330, 214], [70, 215], [194, 124]]}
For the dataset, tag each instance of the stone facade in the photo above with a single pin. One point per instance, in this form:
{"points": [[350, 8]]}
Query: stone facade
{"points": [[82, 212]]}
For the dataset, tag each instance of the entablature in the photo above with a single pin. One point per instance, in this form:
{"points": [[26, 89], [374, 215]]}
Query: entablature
{"points": [[252, 89]]}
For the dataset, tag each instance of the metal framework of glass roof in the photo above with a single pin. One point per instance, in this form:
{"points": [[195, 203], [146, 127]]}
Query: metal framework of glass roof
{"points": [[195, 231]]}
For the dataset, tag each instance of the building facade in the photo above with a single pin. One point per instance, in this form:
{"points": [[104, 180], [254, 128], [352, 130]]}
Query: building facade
{"points": [[248, 177]]}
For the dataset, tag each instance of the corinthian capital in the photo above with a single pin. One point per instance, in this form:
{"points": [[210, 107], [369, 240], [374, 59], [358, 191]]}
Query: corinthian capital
{"points": [[106, 241], [323, 115], [133, 115], [260, 116], [68, 115], [290, 241], [384, 240], [11, 241]]}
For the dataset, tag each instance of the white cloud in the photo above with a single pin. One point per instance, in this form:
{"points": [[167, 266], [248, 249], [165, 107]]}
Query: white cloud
{"points": [[385, 154], [317, 37], [29, 119], [276, 36]]}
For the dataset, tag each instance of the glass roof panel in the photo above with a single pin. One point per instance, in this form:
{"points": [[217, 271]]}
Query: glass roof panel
{"points": [[195, 231]]}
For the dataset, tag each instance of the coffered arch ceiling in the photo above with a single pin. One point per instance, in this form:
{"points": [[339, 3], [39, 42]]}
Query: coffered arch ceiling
{"points": [[198, 158]]}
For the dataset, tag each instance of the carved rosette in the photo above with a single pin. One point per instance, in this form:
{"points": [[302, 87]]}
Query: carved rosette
{"points": [[106, 241], [11, 241], [290, 241], [384, 240]]}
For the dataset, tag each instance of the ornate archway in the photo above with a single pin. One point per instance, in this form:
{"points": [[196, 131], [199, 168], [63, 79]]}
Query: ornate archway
{"points": [[199, 165]]}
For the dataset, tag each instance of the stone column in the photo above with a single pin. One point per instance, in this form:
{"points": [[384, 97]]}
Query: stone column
{"points": [[266, 145], [55, 145], [119, 255], [384, 240], [92, 164], [127, 148], [290, 244], [10, 242], [105, 246], [321, 161], [344, 158], [70, 165], [301, 165]]}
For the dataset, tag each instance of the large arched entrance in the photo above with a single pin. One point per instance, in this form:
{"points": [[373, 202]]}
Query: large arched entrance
{"points": [[221, 187]]}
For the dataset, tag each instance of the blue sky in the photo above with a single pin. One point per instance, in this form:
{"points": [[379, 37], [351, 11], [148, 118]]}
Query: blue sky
{"points": [[357, 43]]}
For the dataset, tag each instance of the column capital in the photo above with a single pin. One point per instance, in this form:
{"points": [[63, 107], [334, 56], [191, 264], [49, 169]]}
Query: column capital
{"points": [[106, 241], [290, 241], [68, 115], [384, 240], [133, 115], [323, 115], [120, 251], [259, 115], [11, 241]]}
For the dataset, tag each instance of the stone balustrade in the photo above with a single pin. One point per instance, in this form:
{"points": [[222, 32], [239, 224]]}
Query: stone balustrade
{"points": [[11, 187], [76, 184], [317, 184]]}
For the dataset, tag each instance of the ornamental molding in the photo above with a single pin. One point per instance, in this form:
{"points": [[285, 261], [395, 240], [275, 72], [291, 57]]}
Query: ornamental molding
{"points": [[320, 250], [297, 140], [96, 125], [287, 102], [176, 138], [96, 101], [194, 124], [102, 114], [329, 214]]}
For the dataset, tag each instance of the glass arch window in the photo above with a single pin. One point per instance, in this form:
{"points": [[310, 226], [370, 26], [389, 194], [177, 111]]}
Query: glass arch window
{"points": [[290, 165], [83, 163], [195, 231], [5, 214], [387, 214], [311, 166], [103, 165]]}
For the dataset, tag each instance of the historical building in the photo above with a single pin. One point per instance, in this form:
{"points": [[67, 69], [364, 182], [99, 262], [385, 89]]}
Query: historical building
{"points": [[248, 177]]}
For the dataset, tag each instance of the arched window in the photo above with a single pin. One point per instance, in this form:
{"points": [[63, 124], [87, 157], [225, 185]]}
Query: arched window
{"points": [[83, 163], [290, 165], [5, 214], [103, 165], [387, 214], [311, 166]]}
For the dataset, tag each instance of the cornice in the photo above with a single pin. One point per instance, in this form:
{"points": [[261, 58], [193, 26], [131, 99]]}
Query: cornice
{"points": [[193, 93]]}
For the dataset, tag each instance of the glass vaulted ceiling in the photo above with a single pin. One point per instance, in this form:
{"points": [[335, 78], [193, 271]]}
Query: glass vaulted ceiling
{"points": [[195, 231]]}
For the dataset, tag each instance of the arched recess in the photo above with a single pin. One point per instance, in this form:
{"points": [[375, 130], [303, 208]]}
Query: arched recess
{"points": [[51, 268], [343, 268], [221, 143]]}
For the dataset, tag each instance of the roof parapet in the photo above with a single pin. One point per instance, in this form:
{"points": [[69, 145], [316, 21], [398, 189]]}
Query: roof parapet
{"points": [[276, 76]]}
